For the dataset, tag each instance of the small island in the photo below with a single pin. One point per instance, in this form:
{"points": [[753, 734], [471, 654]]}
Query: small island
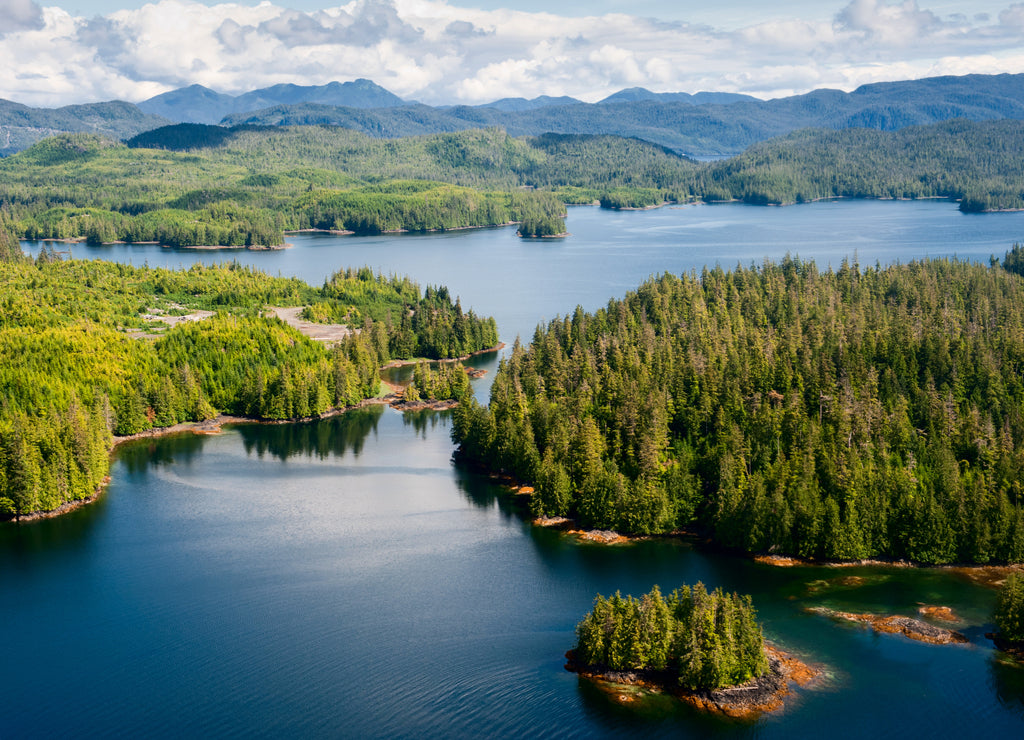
{"points": [[704, 647], [1009, 617]]}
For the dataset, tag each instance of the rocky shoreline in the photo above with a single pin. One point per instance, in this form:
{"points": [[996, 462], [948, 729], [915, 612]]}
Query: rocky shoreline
{"points": [[766, 693], [987, 575], [911, 627]]}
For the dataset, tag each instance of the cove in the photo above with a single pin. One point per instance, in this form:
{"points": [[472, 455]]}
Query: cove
{"points": [[343, 578]]}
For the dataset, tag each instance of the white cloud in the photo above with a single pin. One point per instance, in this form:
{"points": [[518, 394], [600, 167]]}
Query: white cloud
{"points": [[437, 52], [888, 23]]}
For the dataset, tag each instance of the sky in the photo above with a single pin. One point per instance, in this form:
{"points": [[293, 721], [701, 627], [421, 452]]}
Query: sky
{"points": [[476, 51]]}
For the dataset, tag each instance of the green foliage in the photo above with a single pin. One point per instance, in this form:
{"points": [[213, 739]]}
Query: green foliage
{"points": [[631, 198], [10, 249], [446, 380], [1009, 615], [406, 323], [705, 640], [245, 187], [838, 415], [976, 163], [1013, 261], [84, 356]]}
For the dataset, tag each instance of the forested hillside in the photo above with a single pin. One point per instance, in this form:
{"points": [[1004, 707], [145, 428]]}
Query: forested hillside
{"points": [[84, 186], [975, 163], [712, 130], [22, 126], [85, 352], [193, 185], [707, 124], [839, 415]]}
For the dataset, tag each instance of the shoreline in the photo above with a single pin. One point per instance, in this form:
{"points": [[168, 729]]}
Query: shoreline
{"points": [[766, 693], [346, 232], [987, 574], [403, 363], [215, 426]]}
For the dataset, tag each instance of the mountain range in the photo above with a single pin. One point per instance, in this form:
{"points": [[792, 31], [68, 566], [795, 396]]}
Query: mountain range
{"points": [[198, 104], [703, 125]]}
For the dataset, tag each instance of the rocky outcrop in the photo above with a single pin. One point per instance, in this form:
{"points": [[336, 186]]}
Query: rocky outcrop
{"points": [[766, 693], [915, 629]]}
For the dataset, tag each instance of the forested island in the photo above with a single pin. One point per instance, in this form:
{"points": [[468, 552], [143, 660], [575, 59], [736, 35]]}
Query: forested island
{"points": [[705, 640], [706, 648], [198, 185], [864, 412], [91, 349]]}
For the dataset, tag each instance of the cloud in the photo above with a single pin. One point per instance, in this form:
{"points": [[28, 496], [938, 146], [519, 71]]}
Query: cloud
{"points": [[887, 22], [19, 15], [464, 29], [437, 52], [1013, 16], [231, 36], [293, 28]]}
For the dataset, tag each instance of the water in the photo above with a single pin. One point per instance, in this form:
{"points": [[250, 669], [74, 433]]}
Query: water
{"points": [[343, 578]]}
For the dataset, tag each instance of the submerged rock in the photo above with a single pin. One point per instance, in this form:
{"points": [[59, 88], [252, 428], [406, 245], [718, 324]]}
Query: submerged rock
{"points": [[601, 536], [913, 628], [940, 613]]}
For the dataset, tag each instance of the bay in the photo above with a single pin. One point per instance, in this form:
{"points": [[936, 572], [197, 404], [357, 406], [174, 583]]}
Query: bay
{"points": [[345, 579]]}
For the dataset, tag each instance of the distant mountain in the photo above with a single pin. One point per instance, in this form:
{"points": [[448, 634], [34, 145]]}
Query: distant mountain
{"points": [[22, 126], [192, 104], [705, 130], [510, 105], [703, 125], [198, 104], [635, 94]]}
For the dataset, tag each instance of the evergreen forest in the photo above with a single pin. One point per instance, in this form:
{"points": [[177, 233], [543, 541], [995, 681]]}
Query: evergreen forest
{"points": [[702, 640], [90, 349], [1009, 613], [864, 412], [197, 185]]}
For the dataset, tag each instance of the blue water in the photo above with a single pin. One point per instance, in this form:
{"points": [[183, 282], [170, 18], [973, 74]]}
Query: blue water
{"points": [[345, 579]]}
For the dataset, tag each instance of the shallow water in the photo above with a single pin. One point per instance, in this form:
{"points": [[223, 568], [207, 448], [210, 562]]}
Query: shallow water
{"points": [[344, 578]]}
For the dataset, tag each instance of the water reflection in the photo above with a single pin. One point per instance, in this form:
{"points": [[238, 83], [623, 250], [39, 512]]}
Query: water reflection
{"points": [[425, 420], [176, 449], [321, 439], [484, 492], [1008, 681], [26, 541]]}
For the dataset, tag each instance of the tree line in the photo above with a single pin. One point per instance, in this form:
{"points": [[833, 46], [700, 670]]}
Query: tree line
{"points": [[845, 414]]}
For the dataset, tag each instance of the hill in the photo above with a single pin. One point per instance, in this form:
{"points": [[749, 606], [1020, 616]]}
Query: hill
{"points": [[22, 126], [714, 129]]}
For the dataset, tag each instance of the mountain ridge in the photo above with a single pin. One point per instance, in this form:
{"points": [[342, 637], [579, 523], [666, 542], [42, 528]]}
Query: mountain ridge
{"points": [[702, 125]]}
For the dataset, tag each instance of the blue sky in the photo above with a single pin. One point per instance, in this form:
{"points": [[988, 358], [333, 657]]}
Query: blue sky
{"points": [[56, 52], [725, 13]]}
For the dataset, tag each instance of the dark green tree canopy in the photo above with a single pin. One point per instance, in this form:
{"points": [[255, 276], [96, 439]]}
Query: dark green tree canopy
{"points": [[844, 414], [704, 640], [1009, 613]]}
